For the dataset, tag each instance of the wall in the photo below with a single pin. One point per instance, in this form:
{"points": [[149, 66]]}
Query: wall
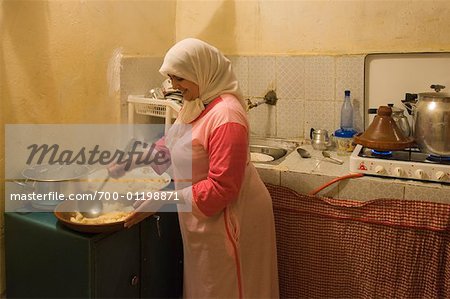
{"points": [[310, 91], [316, 27], [55, 54], [311, 51]]}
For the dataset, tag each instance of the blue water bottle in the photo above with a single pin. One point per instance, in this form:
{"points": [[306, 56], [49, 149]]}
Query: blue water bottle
{"points": [[344, 136], [347, 113]]}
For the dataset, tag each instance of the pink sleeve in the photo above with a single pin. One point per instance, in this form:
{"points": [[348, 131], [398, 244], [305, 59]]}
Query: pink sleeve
{"points": [[161, 149], [227, 148]]}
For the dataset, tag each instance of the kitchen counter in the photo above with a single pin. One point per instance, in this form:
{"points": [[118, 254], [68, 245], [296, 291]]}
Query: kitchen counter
{"points": [[305, 175]]}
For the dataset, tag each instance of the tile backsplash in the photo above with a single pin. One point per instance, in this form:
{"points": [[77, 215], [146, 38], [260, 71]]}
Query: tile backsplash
{"points": [[310, 90]]}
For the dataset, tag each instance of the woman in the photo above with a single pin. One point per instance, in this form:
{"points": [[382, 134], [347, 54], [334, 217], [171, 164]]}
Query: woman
{"points": [[229, 237]]}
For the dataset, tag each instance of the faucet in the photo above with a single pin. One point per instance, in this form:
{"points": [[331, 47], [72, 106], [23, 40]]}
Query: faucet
{"points": [[270, 98]]}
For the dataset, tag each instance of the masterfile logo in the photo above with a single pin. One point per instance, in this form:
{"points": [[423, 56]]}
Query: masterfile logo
{"points": [[47, 164]]}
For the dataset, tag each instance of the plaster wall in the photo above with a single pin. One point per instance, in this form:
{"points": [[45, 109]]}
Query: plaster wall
{"points": [[54, 60], [316, 27]]}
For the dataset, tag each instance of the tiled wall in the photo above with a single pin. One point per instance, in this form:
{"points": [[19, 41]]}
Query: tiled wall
{"points": [[310, 90], [137, 76], [310, 93]]}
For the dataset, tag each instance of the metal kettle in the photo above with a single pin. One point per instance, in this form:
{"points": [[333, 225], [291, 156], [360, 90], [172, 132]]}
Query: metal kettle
{"points": [[320, 139], [399, 117], [431, 120]]}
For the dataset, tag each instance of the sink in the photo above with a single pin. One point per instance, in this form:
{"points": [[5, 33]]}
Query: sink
{"points": [[270, 151], [267, 152]]}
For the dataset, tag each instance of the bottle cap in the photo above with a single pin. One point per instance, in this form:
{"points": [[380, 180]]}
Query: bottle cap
{"points": [[347, 93], [341, 133]]}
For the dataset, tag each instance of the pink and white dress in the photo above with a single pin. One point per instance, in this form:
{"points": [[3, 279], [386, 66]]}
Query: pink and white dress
{"points": [[229, 237]]}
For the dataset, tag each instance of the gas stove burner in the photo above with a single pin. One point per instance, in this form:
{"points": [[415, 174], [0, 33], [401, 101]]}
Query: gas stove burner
{"points": [[386, 154], [439, 159], [410, 164]]}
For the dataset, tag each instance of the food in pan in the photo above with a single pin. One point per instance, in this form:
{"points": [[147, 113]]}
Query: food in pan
{"points": [[113, 212], [105, 218]]}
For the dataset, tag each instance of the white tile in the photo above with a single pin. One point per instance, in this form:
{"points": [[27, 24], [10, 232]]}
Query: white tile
{"points": [[306, 183], [140, 74], [319, 78], [290, 118], [261, 75], [358, 114], [350, 76], [240, 68], [262, 121], [319, 115], [325, 166], [366, 188], [428, 192], [137, 76], [290, 75], [294, 162], [337, 115]]}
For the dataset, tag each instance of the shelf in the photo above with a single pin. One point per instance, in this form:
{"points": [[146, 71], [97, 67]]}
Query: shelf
{"points": [[139, 104]]}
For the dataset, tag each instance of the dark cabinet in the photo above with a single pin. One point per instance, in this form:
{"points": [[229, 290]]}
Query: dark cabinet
{"points": [[44, 259]]}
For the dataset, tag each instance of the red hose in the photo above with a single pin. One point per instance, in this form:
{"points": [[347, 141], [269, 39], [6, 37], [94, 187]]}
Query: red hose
{"points": [[348, 176]]}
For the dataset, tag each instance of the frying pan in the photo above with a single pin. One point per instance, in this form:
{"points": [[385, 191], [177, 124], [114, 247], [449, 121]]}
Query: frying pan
{"points": [[140, 179], [64, 218]]}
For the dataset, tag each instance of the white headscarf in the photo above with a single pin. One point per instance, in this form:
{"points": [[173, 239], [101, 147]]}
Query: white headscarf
{"points": [[203, 64]]}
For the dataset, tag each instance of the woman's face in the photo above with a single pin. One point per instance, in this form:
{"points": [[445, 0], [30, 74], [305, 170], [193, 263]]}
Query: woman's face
{"points": [[188, 88]]}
